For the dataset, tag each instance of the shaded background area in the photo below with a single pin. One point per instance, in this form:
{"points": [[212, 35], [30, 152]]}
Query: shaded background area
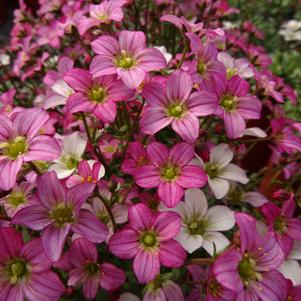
{"points": [[7, 8]]}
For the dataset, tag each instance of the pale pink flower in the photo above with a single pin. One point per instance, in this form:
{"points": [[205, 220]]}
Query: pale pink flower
{"points": [[128, 58], [176, 105]]}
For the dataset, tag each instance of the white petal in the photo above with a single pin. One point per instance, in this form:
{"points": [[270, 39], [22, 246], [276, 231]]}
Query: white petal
{"points": [[256, 132], [120, 213], [234, 173], [74, 145], [220, 218], [189, 242], [61, 170], [216, 239], [226, 59], [196, 202], [60, 87], [254, 198], [128, 297], [221, 154], [55, 100], [219, 187], [296, 251], [182, 209], [291, 270]]}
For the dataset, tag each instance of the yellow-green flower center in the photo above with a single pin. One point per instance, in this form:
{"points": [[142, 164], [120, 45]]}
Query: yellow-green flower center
{"points": [[280, 224], [212, 170], [197, 227], [15, 147], [16, 198], [125, 61], [97, 94], [148, 239], [246, 270], [176, 110], [169, 172], [215, 288], [231, 73], [16, 269], [201, 67], [228, 102], [62, 214], [104, 217], [91, 268], [70, 162]]}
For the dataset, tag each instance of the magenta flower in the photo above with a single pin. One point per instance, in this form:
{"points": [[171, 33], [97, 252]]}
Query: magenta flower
{"points": [[205, 69], [97, 96], [149, 239], [136, 157], [20, 142], [128, 58], [103, 13], [170, 171], [24, 269], [89, 172], [252, 272], [206, 284], [235, 105], [58, 212], [84, 268], [176, 105], [282, 224]]}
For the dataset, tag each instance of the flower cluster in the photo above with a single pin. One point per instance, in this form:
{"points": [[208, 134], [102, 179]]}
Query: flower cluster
{"points": [[145, 155]]}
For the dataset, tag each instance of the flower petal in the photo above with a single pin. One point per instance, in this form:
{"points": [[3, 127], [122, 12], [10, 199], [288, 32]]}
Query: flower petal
{"points": [[140, 217], [171, 254], [90, 227], [220, 218], [170, 193], [146, 265]]}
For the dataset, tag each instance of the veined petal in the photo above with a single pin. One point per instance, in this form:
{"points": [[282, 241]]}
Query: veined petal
{"points": [[167, 224], [146, 265], [78, 79], [53, 239], [140, 217], [179, 86], [132, 77], [170, 193], [151, 59], [172, 254], [221, 154], [187, 127], [214, 241], [202, 103], [192, 176], [8, 172], [124, 243], [158, 153], [90, 227], [219, 187], [147, 177], [220, 218]]}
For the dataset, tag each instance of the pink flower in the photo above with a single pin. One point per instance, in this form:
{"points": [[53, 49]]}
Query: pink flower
{"points": [[176, 105], [170, 171], [97, 96], [251, 272], [204, 281], [105, 12], [282, 224], [58, 212], [24, 269], [149, 240], [205, 69], [235, 105], [20, 197], [161, 288], [20, 142], [86, 270], [128, 58], [89, 172], [136, 157]]}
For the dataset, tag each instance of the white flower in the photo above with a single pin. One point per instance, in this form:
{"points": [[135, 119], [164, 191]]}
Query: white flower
{"points": [[255, 131], [235, 66], [229, 25], [291, 30], [73, 148], [200, 226], [166, 54], [4, 59], [61, 93], [220, 171], [291, 268]]}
